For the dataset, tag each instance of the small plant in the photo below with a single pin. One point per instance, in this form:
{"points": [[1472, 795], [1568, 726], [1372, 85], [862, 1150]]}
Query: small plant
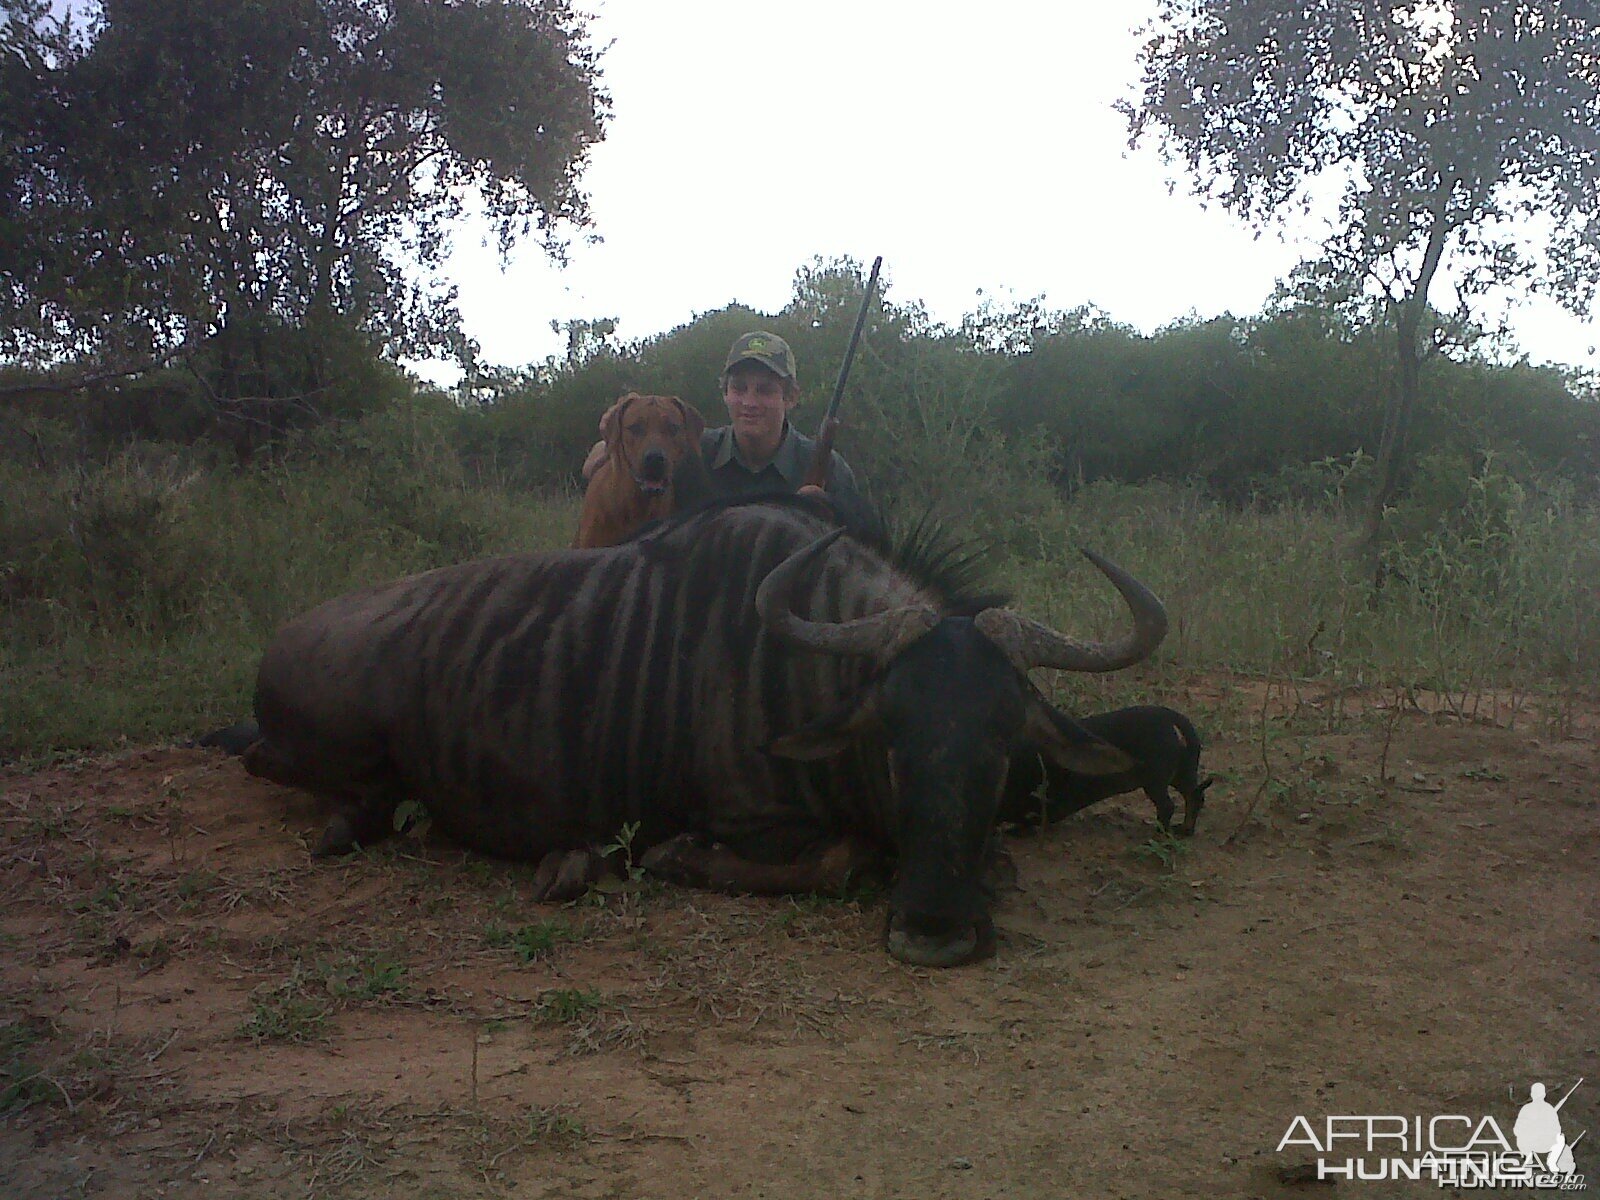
{"points": [[562, 1006], [22, 1085], [624, 846], [283, 1013], [193, 886], [153, 953], [1165, 848], [553, 1124], [529, 942], [377, 978]]}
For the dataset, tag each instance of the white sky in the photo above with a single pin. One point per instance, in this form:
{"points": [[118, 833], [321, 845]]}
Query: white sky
{"points": [[974, 146]]}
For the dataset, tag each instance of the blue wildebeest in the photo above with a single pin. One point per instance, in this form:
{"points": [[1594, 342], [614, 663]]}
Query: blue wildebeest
{"points": [[774, 705]]}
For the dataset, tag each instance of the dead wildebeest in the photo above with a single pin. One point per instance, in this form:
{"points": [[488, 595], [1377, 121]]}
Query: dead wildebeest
{"points": [[775, 705], [1164, 747]]}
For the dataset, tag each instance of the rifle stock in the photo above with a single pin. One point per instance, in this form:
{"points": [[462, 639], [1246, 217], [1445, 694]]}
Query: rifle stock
{"points": [[822, 454]]}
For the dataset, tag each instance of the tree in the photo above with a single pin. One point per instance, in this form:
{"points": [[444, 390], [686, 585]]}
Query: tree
{"points": [[224, 170], [1463, 138]]}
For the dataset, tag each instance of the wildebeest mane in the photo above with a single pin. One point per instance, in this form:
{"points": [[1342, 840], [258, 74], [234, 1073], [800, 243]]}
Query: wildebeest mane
{"points": [[955, 570]]}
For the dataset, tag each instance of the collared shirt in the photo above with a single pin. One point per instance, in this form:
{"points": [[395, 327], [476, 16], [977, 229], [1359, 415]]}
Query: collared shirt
{"points": [[731, 475]]}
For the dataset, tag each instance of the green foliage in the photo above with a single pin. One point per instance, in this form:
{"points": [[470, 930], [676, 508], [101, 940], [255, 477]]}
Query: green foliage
{"points": [[1459, 135], [22, 1082], [1222, 461], [528, 942], [1165, 848], [284, 1012], [1454, 119], [562, 1006], [622, 849], [138, 590], [171, 171], [372, 978]]}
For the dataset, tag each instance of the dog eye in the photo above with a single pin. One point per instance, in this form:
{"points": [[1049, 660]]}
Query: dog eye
{"points": [[635, 429], [673, 430]]}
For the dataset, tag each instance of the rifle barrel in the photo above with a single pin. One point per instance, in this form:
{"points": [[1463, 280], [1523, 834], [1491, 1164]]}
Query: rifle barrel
{"points": [[855, 340]]}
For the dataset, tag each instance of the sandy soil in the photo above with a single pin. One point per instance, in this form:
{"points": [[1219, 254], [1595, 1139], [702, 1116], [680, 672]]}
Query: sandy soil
{"points": [[1390, 908]]}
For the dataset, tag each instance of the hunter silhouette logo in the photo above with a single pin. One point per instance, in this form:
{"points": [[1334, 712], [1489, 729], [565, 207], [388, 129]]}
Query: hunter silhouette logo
{"points": [[1538, 1132], [1453, 1150]]}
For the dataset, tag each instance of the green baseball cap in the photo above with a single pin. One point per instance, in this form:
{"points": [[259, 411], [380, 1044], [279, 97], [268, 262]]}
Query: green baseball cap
{"points": [[768, 349]]}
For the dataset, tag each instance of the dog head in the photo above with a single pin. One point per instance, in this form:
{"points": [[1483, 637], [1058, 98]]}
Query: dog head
{"points": [[647, 437]]}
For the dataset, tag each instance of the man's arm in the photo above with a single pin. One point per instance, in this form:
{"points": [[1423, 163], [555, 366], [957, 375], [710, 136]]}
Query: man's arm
{"points": [[845, 495]]}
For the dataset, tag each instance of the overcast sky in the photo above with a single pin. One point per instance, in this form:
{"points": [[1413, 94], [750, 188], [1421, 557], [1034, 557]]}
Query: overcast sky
{"points": [[974, 146]]}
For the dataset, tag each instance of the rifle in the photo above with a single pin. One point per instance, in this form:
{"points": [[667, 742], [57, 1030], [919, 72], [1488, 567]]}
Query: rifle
{"points": [[822, 452]]}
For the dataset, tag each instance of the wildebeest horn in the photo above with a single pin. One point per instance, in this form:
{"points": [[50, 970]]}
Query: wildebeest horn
{"points": [[1029, 644], [882, 635]]}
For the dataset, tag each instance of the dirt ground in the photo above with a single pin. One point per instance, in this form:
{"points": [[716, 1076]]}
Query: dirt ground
{"points": [[1391, 907]]}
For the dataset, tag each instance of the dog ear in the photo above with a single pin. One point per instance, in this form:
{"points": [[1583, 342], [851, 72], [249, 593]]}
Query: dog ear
{"points": [[691, 418], [611, 423]]}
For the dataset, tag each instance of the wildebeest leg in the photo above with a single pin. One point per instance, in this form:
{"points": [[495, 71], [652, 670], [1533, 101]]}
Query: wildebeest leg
{"points": [[364, 801], [1000, 869], [1066, 793], [1194, 798], [697, 862], [567, 874], [1162, 799], [364, 817]]}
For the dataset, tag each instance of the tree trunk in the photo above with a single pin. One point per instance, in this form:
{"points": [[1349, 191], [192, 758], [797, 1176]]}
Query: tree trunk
{"points": [[1402, 403], [1407, 387]]}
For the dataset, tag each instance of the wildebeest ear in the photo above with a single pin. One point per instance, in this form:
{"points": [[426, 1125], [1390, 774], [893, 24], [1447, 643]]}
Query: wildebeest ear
{"points": [[828, 735], [691, 418], [1069, 745]]}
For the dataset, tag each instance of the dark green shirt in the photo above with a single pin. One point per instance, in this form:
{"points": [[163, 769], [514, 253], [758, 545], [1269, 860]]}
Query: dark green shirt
{"points": [[731, 475]]}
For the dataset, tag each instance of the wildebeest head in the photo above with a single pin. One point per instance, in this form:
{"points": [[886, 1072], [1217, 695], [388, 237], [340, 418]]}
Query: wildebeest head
{"points": [[649, 436], [950, 705]]}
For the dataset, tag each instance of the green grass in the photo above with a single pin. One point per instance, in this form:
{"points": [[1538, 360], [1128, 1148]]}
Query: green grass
{"points": [[529, 942], [562, 1006], [283, 1014], [22, 1084], [1165, 848], [372, 978]]}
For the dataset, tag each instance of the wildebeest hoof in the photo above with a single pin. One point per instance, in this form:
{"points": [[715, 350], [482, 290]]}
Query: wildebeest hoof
{"points": [[338, 838], [566, 874], [1000, 872], [679, 859], [945, 949]]}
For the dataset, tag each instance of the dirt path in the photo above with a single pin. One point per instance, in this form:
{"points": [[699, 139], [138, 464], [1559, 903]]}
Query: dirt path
{"points": [[189, 1006]]}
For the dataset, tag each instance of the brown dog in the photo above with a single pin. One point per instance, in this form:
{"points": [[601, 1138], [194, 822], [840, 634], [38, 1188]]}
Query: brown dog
{"points": [[652, 455]]}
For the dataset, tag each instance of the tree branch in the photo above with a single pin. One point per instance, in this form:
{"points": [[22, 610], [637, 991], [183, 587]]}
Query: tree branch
{"points": [[180, 352]]}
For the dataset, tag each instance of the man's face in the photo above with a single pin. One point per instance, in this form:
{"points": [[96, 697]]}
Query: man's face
{"points": [[756, 402]]}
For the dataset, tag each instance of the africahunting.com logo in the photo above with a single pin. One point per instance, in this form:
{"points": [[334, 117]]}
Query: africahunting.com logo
{"points": [[1456, 1151]]}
